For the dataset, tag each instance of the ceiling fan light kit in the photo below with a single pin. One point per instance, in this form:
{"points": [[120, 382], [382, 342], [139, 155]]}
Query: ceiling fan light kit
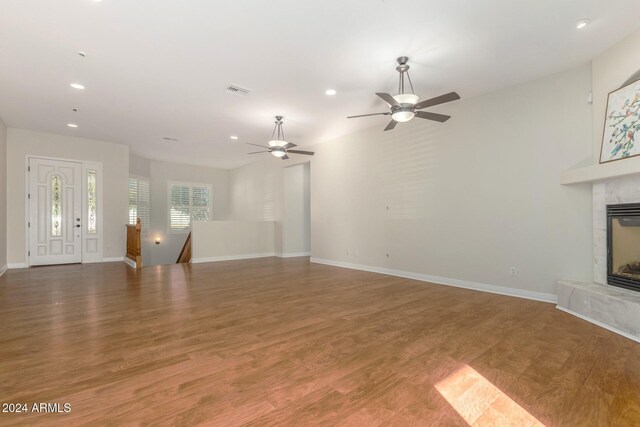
{"points": [[404, 106]]}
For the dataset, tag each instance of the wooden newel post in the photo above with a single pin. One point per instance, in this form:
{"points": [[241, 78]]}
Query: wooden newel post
{"points": [[134, 243]]}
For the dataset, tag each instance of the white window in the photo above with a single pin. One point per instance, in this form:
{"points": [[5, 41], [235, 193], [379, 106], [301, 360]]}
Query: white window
{"points": [[139, 201], [188, 202]]}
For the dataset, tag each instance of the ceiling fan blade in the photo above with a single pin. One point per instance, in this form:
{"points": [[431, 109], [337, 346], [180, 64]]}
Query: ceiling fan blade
{"points": [[448, 97], [366, 115], [308, 153], [261, 146], [391, 125], [289, 145], [285, 157], [256, 152], [432, 116], [388, 99]]}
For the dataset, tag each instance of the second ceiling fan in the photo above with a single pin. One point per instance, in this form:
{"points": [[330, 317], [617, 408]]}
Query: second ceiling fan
{"points": [[404, 106], [278, 147]]}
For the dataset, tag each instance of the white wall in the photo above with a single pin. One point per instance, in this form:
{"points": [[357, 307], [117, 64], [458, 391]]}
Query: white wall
{"points": [[115, 160], [3, 197], [296, 210], [160, 173]]}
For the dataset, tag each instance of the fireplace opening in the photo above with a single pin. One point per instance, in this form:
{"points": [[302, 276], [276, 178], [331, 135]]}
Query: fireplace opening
{"points": [[623, 245]]}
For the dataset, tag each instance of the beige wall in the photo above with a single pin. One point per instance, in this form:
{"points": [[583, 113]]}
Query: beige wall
{"points": [[296, 210], [610, 70], [115, 162], [219, 240], [3, 197], [160, 173], [255, 192], [466, 200]]}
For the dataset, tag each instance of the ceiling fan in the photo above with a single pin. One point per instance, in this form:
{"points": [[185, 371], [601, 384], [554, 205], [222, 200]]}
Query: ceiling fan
{"points": [[278, 147], [404, 106]]}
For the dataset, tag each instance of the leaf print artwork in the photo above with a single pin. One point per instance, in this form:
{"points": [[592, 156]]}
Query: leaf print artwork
{"points": [[622, 124]]}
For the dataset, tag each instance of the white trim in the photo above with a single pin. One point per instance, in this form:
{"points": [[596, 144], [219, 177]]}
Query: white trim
{"points": [[232, 257], [3, 270], [602, 325], [500, 290], [131, 263], [113, 259], [14, 265], [293, 254]]}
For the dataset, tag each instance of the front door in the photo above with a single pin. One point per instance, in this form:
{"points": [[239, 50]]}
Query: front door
{"points": [[55, 207]]}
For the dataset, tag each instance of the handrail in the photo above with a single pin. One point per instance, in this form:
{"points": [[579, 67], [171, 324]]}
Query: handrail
{"points": [[185, 253], [134, 243]]}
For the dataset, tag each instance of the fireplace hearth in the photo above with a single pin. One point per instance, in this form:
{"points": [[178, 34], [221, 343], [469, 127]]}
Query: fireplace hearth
{"points": [[623, 245]]}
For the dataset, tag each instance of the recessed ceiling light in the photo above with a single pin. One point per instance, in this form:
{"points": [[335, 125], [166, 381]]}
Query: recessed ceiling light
{"points": [[233, 137], [77, 86], [583, 23], [72, 125], [330, 92]]}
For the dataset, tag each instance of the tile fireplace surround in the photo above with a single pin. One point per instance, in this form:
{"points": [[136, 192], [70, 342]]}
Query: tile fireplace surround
{"points": [[611, 307]]}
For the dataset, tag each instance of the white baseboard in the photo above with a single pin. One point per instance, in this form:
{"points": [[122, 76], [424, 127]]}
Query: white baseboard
{"points": [[293, 254], [501, 290], [131, 263], [3, 270], [113, 259], [231, 257], [602, 325], [13, 265]]}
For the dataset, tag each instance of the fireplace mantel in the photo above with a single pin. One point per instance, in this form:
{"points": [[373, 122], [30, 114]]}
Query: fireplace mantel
{"points": [[595, 173]]}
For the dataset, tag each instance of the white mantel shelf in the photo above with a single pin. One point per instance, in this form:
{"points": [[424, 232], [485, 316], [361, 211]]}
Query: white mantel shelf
{"points": [[600, 172]]}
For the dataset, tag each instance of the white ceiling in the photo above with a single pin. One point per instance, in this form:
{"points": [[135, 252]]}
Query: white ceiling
{"points": [[160, 68]]}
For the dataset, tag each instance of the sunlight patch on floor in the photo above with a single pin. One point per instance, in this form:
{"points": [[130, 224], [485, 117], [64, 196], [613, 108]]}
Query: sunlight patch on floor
{"points": [[481, 403]]}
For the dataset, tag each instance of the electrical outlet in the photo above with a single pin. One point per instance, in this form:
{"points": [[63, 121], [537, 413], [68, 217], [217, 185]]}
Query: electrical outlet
{"points": [[514, 271]]}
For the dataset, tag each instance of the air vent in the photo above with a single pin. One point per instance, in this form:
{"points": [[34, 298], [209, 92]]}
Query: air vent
{"points": [[166, 138], [237, 90]]}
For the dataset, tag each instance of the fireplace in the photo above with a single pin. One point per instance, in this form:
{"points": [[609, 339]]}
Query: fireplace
{"points": [[623, 245]]}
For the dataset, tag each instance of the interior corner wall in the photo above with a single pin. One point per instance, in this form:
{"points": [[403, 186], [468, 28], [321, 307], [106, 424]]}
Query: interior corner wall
{"points": [[139, 166], [159, 174], [255, 193], [296, 210], [115, 160], [469, 199], [3, 197], [611, 69]]}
